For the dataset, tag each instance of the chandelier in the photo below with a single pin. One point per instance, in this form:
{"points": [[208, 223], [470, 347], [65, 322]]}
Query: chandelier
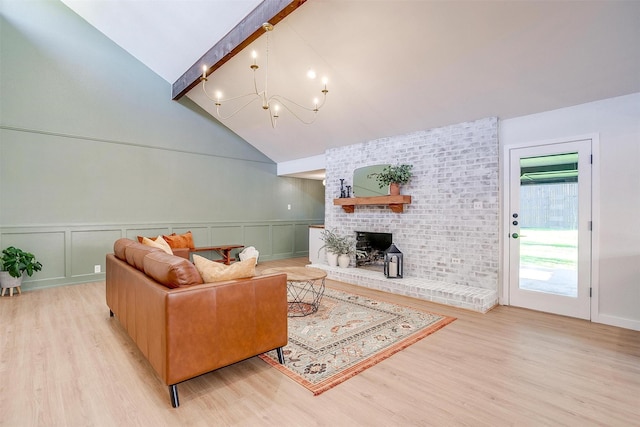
{"points": [[273, 104]]}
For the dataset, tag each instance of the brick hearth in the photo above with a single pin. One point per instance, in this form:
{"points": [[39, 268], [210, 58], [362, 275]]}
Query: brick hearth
{"points": [[469, 297]]}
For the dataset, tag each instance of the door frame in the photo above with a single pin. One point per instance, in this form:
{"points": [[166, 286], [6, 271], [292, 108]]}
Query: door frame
{"points": [[505, 216]]}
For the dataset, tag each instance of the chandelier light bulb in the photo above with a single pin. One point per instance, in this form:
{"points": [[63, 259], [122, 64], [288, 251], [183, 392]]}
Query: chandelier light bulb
{"points": [[204, 71]]}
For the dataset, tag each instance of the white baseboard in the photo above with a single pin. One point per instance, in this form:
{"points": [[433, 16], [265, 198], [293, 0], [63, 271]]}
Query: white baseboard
{"points": [[617, 321]]}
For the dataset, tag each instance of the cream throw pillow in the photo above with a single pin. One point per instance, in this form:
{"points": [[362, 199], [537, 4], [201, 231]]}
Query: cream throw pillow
{"points": [[212, 271], [158, 243]]}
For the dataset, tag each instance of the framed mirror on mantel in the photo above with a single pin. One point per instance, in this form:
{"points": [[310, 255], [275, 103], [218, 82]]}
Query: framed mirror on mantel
{"points": [[365, 185], [366, 191]]}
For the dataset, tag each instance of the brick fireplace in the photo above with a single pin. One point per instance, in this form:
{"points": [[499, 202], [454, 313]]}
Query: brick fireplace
{"points": [[449, 232]]}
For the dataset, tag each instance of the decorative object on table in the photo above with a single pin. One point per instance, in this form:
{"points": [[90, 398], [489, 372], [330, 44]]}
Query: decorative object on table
{"points": [[393, 263], [393, 176], [14, 264], [343, 193], [336, 246], [348, 334], [348, 191], [249, 252]]}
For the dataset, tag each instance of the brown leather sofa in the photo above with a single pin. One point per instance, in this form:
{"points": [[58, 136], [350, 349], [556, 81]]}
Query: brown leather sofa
{"points": [[184, 327]]}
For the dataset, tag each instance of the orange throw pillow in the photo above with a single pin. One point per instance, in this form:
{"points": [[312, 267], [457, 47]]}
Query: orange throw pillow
{"points": [[180, 240]]}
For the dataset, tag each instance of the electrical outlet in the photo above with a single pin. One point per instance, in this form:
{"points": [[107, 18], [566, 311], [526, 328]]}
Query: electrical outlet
{"points": [[97, 268], [477, 205], [455, 260], [289, 207]]}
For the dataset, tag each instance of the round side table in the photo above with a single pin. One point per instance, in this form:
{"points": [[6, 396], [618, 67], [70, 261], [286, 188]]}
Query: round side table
{"points": [[305, 288]]}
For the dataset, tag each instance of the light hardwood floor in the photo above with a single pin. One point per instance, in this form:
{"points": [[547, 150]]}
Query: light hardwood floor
{"points": [[65, 362]]}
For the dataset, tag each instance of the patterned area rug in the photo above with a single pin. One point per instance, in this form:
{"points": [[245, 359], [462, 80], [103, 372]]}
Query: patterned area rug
{"points": [[348, 334]]}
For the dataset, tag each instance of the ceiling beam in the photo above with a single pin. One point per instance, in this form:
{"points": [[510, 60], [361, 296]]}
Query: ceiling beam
{"points": [[248, 30]]}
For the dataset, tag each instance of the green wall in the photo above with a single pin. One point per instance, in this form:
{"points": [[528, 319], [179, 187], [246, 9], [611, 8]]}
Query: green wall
{"points": [[92, 148]]}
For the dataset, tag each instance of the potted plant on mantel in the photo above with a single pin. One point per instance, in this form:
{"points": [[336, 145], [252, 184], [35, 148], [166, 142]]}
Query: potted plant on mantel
{"points": [[393, 176], [14, 264], [338, 248]]}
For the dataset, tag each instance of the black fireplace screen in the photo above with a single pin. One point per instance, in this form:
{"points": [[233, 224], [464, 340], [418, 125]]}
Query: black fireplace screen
{"points": [[370, 248]]}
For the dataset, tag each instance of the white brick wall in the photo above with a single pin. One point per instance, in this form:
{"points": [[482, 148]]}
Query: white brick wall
{"points": [[454, 167]]}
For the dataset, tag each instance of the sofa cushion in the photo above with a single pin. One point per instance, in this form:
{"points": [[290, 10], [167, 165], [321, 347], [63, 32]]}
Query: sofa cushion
{"points": [[212, 271], [171, 271], [136, 252], [120, 246], [159, 242], [180, 240]]}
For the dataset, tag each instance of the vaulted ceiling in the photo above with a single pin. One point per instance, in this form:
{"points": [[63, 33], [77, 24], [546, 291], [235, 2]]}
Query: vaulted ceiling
{"points": [[393, 67]]}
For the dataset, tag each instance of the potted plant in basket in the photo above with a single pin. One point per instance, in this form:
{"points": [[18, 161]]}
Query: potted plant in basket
{"points": [[14, 264], [393, 176], [338, 248]]}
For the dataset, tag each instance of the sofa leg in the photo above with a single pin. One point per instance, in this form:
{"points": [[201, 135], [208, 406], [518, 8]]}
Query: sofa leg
{"points": [[280, 355], [173, 392]]}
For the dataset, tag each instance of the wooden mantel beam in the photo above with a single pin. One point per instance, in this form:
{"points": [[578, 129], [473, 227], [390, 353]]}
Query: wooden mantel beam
{"points": [[395, 203], [248, 30]]}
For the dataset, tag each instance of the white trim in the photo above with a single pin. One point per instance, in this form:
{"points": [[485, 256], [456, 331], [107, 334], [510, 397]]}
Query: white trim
{"points": [[307, 164], [595, 231], [503, 293], [607, 319]]}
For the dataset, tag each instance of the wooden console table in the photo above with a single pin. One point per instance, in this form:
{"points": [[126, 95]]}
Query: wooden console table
{"points": [[395, 203], [224, 251]]}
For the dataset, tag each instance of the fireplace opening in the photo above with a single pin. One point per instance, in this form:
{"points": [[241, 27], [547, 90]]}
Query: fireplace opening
{"points": [[370, 249]]}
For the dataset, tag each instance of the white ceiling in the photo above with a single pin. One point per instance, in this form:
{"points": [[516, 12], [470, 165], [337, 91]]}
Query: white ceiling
{"points": [[394, 67]]}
